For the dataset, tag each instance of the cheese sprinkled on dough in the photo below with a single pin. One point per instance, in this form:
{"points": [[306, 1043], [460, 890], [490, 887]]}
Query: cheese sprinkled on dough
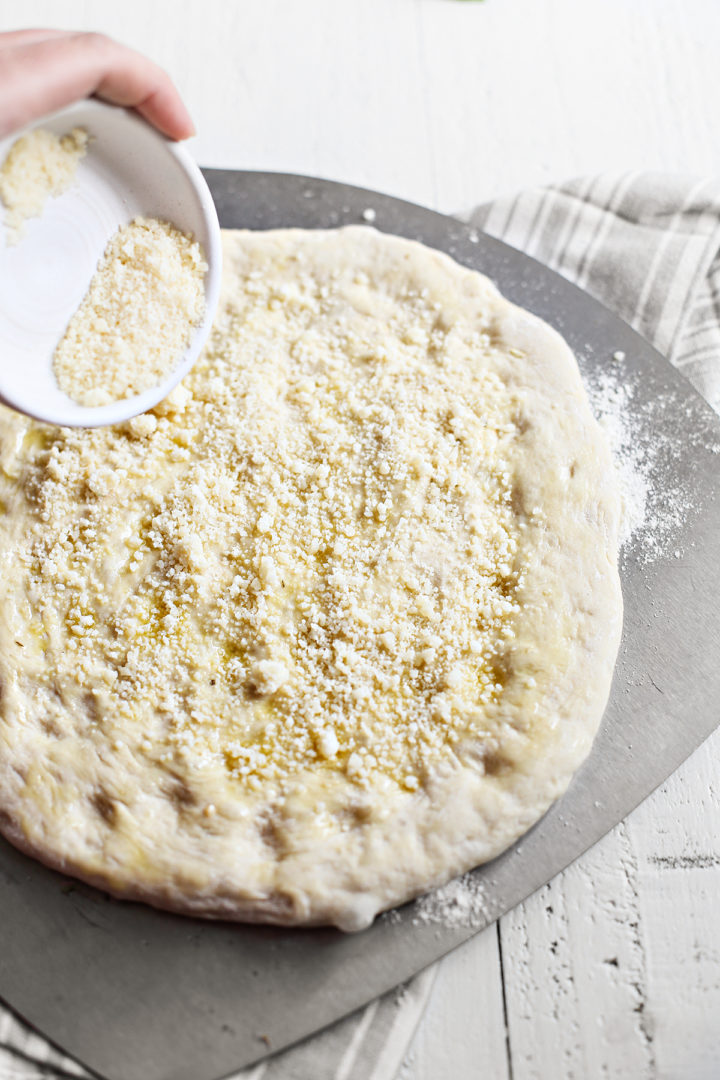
{"points": [[138, 316], [39, 165], [333, 623], [304, 560]]}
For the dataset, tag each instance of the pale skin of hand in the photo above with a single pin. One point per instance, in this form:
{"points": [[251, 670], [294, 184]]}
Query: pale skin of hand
{"points": [[44, 70]]}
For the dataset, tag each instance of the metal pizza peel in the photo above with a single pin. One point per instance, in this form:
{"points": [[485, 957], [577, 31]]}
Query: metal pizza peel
{"points": [[139, 994]]}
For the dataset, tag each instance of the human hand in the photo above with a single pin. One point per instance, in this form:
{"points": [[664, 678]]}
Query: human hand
{"points": [[44, 70]]}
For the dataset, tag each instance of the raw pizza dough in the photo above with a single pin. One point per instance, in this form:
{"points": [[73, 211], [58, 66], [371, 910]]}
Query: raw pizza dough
{"points": [[333, 623]]}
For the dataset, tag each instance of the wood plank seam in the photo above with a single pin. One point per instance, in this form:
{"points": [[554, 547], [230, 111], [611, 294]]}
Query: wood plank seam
{"points": [[508, 1047]]}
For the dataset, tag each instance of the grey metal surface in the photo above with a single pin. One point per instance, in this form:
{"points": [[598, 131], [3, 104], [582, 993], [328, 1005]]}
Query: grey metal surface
{"points": [[138, 994]]}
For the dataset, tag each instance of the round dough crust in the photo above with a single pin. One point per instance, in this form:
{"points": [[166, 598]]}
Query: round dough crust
{"points": [[333, 624]]}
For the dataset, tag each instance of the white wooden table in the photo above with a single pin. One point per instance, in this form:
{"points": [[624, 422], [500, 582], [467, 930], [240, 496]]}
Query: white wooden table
{"points": [[613, 970]]}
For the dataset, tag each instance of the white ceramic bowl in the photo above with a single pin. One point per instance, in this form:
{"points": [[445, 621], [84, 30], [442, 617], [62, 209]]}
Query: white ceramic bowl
{"points": [[129, 170]]}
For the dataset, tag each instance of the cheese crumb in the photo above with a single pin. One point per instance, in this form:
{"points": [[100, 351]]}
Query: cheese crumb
{"points": [[39, 165], [143, 425], [138, 316], [267, 676], [328, 743]]}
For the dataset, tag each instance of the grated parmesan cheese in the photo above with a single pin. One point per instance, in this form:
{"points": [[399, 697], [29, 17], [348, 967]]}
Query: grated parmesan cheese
{"points": [[39, 165], [307, 558], [137, 317]]}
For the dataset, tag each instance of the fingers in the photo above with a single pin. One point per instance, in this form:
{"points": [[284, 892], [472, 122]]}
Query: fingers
{"points": [[22, 37], [131, 79], [42, 71]]}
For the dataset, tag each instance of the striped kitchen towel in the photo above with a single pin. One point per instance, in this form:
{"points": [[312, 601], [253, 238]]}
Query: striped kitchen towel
{"points": [[647, 246]]}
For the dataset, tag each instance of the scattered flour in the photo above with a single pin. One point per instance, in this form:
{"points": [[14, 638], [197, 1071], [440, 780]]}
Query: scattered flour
{"points": [[459, 904], [646, 436], [611, 398], [39, 165]]}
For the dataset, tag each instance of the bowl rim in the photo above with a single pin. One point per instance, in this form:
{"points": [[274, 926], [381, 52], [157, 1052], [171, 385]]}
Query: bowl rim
{"points": [[76, 415]]}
